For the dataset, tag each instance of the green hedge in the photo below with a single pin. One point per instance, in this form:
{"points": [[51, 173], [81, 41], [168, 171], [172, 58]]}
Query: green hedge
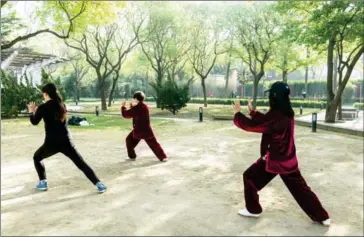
{"points": [[315, 89], [260, 102], [359, 106], [15, 95]]}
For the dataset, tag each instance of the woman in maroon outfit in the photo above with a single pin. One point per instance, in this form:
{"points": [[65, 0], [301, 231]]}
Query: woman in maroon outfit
{"points": [[141, 128], [278, 155]]}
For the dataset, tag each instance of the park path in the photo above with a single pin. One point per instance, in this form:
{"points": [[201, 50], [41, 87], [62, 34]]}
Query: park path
{"points": [[196, 193], [356, 124]]}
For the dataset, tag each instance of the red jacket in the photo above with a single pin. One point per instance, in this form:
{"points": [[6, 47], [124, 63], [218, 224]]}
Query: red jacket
{"points": [[141, 123], [277, 143]]}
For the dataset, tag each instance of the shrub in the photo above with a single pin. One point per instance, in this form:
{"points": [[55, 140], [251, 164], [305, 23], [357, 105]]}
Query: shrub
{"points": [[46, 78], [15, 96], [317, 89], [260, 102], [359, 106], [173, 97]]}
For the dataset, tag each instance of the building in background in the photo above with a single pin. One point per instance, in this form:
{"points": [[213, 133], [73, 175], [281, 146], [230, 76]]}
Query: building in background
{"points": [[23, 61]]}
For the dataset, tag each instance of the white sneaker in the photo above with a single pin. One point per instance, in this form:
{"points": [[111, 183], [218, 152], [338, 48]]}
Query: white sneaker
{"points": [[327, 222], [244, 212]]}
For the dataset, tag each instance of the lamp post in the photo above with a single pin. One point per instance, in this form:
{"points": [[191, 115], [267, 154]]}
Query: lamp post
{"points": [[201, 114], [314, 122]]}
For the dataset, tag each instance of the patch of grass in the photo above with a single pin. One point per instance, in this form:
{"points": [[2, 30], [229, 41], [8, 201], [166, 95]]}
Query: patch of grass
{"points": [[104, 122], [191, 111]]}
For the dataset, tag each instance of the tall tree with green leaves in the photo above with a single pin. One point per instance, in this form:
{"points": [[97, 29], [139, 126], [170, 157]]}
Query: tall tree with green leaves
{"points": [[63, 19], [258, 30], [338, 26], [164, 45], [80, 69], [106, 48], [207, 42], [66, 9]]}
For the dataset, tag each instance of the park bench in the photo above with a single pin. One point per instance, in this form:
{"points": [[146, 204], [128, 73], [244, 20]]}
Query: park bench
{"points": [[223, 117], [348, 114], [353, 110]]}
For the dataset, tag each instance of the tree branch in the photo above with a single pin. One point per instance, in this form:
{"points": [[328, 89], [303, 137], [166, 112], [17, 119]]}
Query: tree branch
{"points": [[26, 37]]}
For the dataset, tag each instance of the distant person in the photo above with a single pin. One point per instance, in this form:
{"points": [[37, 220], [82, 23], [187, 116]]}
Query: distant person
{"points": [[57, 139], [141, 128], [278, 155]]}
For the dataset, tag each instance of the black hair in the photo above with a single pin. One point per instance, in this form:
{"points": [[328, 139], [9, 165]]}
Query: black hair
{"points": [[139, 95], [282, 104], [52, 92]]}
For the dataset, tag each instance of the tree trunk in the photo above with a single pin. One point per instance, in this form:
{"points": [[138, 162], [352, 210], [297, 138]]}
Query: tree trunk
{"points": [[159, 84], [285, 76], [306, 71], [146, 79], [76, 95], [331, 112], [284, 70], [255, 92], [335, 101], [340, 114], [227, 77], [103, 96], [111, 96], [330, 115], [204, 91], [334, 84]]}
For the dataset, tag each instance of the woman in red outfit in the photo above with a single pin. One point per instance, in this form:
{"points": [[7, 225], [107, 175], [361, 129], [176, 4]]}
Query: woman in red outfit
{"points": [[141, 128], [278, 155]]}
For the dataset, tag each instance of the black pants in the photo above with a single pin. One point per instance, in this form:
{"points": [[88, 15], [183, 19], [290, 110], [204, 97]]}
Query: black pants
{"points": [[50, 148]]}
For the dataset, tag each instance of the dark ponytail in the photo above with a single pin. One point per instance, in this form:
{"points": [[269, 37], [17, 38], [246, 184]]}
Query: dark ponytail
{"points": [[282, 104], [279, 99], [51, 90]]}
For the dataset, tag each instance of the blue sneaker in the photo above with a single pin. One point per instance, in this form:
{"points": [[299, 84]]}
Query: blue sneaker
{"points": [[42, 186], [101, 187]]}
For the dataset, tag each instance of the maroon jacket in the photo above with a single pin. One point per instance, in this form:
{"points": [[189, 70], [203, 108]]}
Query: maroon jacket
{"points": [[141, 122], [277, 143]]}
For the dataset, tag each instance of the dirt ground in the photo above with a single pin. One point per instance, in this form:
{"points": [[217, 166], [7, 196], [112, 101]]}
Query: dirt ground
{"points": [[197, 193]]}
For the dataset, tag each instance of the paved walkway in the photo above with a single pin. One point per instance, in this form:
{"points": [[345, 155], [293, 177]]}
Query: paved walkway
{"points": [[356, 124]]}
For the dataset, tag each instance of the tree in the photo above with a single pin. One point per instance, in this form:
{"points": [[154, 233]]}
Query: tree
{"points": [[164, 45], [338, 25], [97, 58], [79, 72], [288, 58], [257, 32], [98, 45], [66, 8], [16, 95], [47, 78], [207, 44], [173, 97]]}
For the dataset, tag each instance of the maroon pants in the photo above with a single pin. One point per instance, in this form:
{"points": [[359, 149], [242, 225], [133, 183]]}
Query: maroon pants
{"points": [[256, 177], [132, 142]]}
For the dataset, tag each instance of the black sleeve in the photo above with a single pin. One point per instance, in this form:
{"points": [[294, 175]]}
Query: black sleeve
{"points": [[36, 117]]}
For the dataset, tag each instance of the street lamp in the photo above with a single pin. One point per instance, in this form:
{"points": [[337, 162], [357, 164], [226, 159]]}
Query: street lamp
{"points": [[314, 121], [201, 114]]}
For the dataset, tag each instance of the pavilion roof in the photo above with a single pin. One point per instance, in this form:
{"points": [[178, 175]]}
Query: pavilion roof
{"points": [[25, 57]]}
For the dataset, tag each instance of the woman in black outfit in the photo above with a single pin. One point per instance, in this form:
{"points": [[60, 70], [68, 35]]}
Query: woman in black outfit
{"points": [[57, 139]]}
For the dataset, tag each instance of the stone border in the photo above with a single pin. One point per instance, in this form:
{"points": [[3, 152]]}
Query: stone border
{"points": [[308, 124], [331, 128]]}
